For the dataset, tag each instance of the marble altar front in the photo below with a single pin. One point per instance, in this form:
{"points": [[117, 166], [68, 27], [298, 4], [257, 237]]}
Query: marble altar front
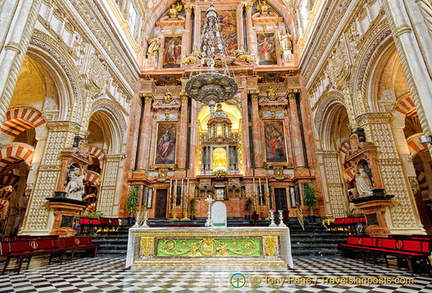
{"points": [[210, 249]]}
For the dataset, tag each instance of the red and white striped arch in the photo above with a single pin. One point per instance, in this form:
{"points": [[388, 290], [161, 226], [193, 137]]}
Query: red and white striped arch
{"points": [[16, 152], [92, 177], [406, 106], [97, 153], [21, 119], [414, 144]]}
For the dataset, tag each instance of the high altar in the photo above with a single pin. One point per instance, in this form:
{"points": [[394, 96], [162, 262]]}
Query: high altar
{"points": [[209, 249], [237, 134]]}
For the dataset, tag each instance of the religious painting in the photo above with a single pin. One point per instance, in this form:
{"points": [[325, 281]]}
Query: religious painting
{"points": [[166, 143], [227, 24], [275, 141], [172, 52], [266, 48]]}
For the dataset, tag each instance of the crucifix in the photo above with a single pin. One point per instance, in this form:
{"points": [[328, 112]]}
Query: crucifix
{"points": [[209, 222]]}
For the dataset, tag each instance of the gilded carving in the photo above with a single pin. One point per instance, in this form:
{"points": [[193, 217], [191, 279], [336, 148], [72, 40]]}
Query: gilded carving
{"points": [[147, 246], [270, 245], [208, 247]]}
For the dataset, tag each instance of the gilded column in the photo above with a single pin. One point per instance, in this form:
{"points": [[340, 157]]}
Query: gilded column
{"points": [[37, 220], [252, 41], [18, 18], [295, 130], [182, 145], [403, 217], [257, 131], [109, 196], [145, 135]]}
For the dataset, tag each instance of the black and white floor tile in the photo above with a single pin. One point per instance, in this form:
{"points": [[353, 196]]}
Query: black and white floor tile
{"points": [[107, 274]]}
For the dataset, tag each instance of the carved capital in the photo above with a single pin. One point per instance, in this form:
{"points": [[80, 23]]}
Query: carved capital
{"points": [[402, 29], [148, 97], [254, 94], [188, 9], [184, 96], [247, 6]]}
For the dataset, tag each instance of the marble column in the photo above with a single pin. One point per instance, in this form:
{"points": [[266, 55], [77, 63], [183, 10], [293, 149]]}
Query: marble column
{"points": [[183, 131], [193, 139], [18, 18], [246, 159], [295, 130], [252, 41], [187, 35], [146, 134], [38, 220], [410, 22], [257, 131]]}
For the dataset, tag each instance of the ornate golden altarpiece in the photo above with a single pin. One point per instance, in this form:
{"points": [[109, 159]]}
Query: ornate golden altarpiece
{"points": [[210, 249]]}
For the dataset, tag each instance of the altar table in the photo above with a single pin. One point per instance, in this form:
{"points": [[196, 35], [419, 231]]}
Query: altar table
{"points": [[209, 249]]}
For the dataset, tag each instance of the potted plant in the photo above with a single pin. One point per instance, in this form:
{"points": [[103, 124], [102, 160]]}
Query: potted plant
{"points": [[132, 202], [248, 207], [310, 199], [192, 208]]}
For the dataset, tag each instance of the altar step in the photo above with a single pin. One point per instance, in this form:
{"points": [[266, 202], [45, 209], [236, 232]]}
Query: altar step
{"points": [[314, 241]]}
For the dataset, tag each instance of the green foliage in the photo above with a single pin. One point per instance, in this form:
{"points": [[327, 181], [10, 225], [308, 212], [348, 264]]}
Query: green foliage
{"points": [[310, 196], [219, 173], [92, 215], [248, 205], [349, 214], [192, 203], [132, 202]]}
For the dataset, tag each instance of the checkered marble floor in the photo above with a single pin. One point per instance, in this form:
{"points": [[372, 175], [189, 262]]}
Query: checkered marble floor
{"points": [[107, 274]]}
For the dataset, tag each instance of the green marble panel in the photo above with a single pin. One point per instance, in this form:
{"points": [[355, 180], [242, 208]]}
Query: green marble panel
{"points": [[209, 247]]}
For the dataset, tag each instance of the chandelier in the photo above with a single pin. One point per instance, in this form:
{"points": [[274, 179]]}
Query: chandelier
{"points": [[212, 87]]}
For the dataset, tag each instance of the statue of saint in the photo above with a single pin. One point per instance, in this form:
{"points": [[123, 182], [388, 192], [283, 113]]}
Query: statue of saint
{"points": [[75, 184], [263, 7], [285, 40], [154, 45], [363, 183]]}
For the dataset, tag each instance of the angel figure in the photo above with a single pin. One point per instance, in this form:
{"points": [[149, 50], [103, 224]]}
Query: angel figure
{"points": [[174, 10], [243, 55], [193, 57]]}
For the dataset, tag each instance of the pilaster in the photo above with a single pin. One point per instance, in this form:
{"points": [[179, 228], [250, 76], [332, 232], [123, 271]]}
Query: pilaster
{"points": [[110, 189], [38, 219], [335, 198], [403, 217]]}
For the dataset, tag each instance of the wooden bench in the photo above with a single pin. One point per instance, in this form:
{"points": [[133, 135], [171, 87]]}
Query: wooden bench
{"points": [[74, 244], [406, 248], [24, 250]]}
